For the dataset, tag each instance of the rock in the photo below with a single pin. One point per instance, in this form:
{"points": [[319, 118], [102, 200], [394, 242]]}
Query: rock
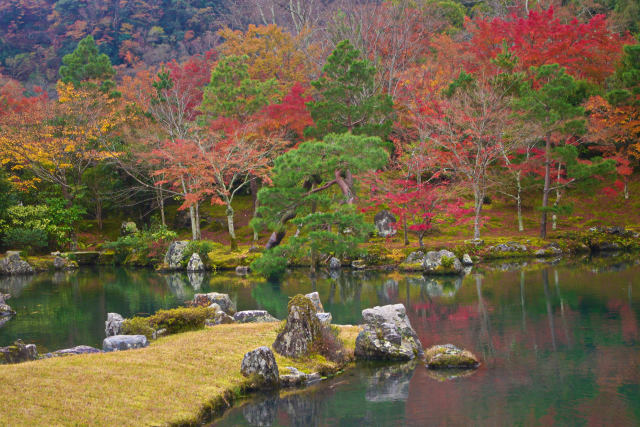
{"points": [[113, 325], [315, 299], [124, 342], [222, 300], [127, 228], [59, 263], [466, 260], [174, 255], [414, 257], [358, 264], [18, 352], [81, 349], [448, 356], [324, 318], [296, 378], [13, 265], [254, 316], [242, 270], [508, 249], [195, 263], [441, 262], [220, 318], [335, 264], [387, 335], [301, 329], [260, 364], [385, 223]]}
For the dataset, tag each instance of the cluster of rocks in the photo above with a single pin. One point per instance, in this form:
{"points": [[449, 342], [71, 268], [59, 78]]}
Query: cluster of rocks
{"points": [[13, 265], [18, 352], [441, 262]]}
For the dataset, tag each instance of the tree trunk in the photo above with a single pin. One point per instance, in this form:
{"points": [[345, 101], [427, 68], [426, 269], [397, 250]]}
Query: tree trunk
{"points": [[626, 190], [478, 199], [404, 226], [545, 191], [197, 212], [420, 237], [194, 228], [254, 187], [99, 213], [163, 219], [344, 187], [232, 230], [554, 217], [519, 203]]}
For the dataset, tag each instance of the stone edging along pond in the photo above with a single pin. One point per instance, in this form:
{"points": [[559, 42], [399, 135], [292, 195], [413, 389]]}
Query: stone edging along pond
{"points": [[306, 345]]}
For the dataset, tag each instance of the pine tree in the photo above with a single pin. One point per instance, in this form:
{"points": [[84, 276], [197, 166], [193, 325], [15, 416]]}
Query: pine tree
{"points": [[348, 98], [86, 64]]}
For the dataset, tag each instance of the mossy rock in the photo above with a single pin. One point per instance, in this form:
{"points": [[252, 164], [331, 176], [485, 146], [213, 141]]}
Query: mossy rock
{"points": [[410, 266], [84, 257], [224, 259], [41, 263], [448, 356], [107, 258]]}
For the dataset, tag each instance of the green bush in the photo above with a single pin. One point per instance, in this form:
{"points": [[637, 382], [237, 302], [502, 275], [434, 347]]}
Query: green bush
{"points": [[138, 326], [202, 248], [175, 320], [25, 239], [447, 262], [272, 264], [143, 247]]}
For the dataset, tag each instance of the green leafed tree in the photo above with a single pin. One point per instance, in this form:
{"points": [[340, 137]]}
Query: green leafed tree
{"points": [[311, 184], [231, 93], [86, 64], [348, 99], [553, 99]]}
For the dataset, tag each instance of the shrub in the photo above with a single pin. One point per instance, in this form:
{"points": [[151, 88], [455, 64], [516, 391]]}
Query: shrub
{"points": [[272, 264], [447, 262], [22, 238], [138, 326], [181, 319], [145, 247], [329, 345]]}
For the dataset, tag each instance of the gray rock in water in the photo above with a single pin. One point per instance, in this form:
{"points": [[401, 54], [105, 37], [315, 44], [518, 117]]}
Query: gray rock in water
{"points": [[222, 300], [297, 378], [260, 364], [301, 329], [81, 349], [124, 342], [113, 325], [195, 263], [466, 260], [5, 310], [18, 352], [174, 255], [324, 318], [315, 299], [335, 264], [387, 335], [254, 316], [242, 270], [441, 262], [385, 223], [13, 265], [448, 356]]}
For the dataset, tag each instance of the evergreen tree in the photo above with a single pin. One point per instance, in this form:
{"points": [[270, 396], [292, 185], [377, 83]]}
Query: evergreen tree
{"points": [[348, 98], [86, 64]]}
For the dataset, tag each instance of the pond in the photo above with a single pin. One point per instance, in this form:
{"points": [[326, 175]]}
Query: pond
{"points": [[560, 344]]}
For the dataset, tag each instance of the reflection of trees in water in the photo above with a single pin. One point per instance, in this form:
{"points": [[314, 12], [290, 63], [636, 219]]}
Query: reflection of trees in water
{"points": [[388, 292], [484, 337], [13, 285], [434, 287]]}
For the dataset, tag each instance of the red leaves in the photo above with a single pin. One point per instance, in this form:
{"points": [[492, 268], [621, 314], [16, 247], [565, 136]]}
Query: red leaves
{"points": [[587, 50]]}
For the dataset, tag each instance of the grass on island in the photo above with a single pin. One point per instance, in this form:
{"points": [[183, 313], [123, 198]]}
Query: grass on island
{"points": [[171, 381]]}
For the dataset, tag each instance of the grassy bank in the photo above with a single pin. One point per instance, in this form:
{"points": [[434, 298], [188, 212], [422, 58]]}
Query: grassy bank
{"points": [[173, 380]]}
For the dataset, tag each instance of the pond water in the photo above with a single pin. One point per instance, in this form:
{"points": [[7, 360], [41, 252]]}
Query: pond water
{"points": [[560, 344]]}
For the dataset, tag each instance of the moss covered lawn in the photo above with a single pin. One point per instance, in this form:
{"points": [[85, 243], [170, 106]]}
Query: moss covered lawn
{"points": [[170, 382]]}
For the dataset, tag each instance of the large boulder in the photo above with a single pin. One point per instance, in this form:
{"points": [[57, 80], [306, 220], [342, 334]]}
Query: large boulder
{"points": [[18, 352], [174, 255], [335, 264], [441, 262], [195, 263], [124, 342], [324, 318], [448, 356], [385, 223], [301, 330], [223, 300], [260, 365], [219, 318], [13, 265], [315, 299], [113, 325], [387, 335], [254, 316]]}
